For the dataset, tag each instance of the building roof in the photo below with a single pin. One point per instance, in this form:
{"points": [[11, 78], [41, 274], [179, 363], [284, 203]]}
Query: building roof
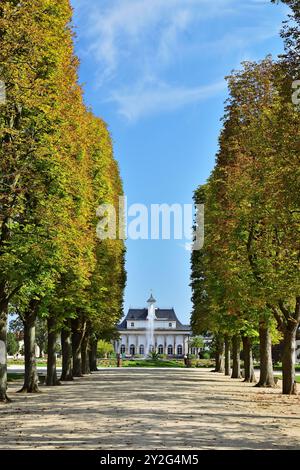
{"points": [[151, 300], [140, 314]]}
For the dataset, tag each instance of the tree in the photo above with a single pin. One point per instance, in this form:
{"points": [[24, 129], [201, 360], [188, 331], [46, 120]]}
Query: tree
{"points": [[197, 342], [41, 335], [250, 261], [57, 167], [12, 344], [263, 172], [287, 310], [212, 283], [291, 36], [104, 348], [34, 40]]}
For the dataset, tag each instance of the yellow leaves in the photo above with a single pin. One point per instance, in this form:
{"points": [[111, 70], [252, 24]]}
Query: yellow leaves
{"points": [[63, 154], [252, 224]]}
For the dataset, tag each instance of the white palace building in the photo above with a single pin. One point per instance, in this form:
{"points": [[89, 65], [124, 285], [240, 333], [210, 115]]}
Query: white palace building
{"points": [[152, 329]]}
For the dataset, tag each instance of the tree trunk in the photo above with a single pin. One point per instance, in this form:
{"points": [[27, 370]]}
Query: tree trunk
{"points": [[31, 377], [266, 378], [78, 331], [219, 354], [227, 355], [66, 348], [93, 355], [248, 360], [289, 386], [3, 353], [236, 363], [85, 354], [51, 357]]}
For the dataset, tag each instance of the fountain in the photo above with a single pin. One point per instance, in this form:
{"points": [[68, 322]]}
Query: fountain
{"points": [[150, 344]]}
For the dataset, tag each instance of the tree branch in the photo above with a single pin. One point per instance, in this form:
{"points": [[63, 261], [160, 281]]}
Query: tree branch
{"points": [[13, 292], [277, 316], [285, 311]]}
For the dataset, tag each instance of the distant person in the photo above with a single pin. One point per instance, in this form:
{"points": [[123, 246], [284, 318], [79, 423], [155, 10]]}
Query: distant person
{"points": [[119, 360]]}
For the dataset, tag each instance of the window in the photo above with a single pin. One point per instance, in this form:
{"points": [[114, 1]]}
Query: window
{"points": [[160, 349], [123, 349], [170, 325], [132, 323], [142, 349], [170, 350], [179, 350], [132, 350]]}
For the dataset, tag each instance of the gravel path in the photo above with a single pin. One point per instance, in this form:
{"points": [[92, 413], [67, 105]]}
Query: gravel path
{"points": [[151, 409]]}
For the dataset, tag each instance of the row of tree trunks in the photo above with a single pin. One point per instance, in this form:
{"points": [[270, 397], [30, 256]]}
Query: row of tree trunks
{"points": [[78, 333], [227, 355], [80, 347], [236, 352], [3, 341], [85, 354], [76, 348], [289, 327], [31, 381], [289, 386], [51, 357], [66, 351], [219, 354], [288, 361], [248, 360], [266, 378], [93, 354], [236, 368]]}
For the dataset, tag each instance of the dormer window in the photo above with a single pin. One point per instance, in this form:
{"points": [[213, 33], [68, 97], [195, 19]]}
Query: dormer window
{"points": [[132, 324], [170, 325]]}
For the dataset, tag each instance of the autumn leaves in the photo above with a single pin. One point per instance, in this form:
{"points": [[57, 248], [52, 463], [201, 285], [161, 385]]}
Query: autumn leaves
{"points": [[246, 280], [56, 168]]}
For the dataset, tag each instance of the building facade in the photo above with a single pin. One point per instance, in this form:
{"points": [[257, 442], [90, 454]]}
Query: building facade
{"points": [[152, 329]]}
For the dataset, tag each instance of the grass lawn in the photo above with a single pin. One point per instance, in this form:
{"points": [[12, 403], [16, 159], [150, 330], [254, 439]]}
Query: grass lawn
{"points": [[111, 362], [279, 367], [40, 362], [297, 378], [153, 363], [12, 376]]}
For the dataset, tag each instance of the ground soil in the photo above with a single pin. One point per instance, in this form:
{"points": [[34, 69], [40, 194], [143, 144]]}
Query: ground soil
{"points": [[151, 409]]}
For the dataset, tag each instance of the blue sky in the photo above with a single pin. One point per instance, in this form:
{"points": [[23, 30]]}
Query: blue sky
{"points": [[154, 71]]}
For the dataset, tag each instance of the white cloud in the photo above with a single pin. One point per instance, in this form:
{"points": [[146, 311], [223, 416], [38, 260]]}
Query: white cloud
{"points": [[188, 246], [169, 36], [136, 45], [115, 29], [147, 99]]}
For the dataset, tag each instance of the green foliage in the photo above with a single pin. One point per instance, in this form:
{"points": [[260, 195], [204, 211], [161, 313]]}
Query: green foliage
{"points": [[41, 334], [12, 344], [12, 377], [57, 166], [205, 355], [249, 270], [16, 327], [291, 36], [104, 348], [163, 356], [154, 356], [197, 342], [154, 363]]}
